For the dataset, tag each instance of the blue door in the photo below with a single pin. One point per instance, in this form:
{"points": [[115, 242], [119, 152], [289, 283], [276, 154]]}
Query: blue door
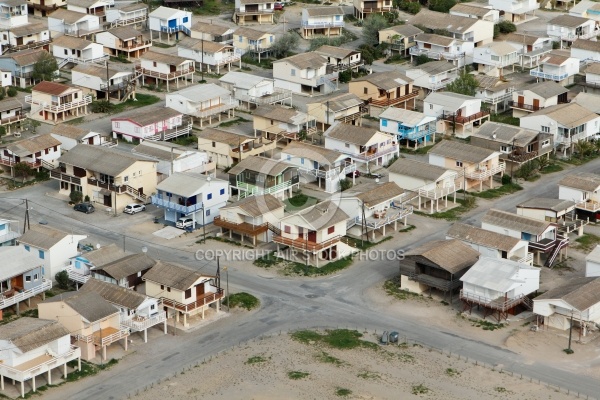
{"points": [[172, 23]]}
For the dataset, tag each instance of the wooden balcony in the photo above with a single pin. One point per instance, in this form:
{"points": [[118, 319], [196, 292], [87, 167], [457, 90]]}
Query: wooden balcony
{"points": [[243, 227], [395, 101], [588, 205], [57, 174], [459, 119], [10, 162], [160, 75], [39, 365], [485, 173], [13, 119], [107, 186], [305, 244], [523, 106], [105, 336], [12, 297], [499, 304], [201, 301]]}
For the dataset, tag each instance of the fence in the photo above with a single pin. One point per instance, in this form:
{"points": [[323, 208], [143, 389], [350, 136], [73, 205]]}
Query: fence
{"points": [[402, 341]]}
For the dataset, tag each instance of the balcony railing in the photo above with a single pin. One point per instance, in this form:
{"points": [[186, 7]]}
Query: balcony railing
{"points": [[368, 156], [252, 189], [160, 75], [588, 205], [442, 284], [523, 106], [321, 25], [254, 12], [438, 193], [416, 133], [173, 29], [76, 276], [485, 173], [383, 218], [543, 245], [499, 304], [459, 119], [50, 361], [10, 297], [59, 107], [215, 110], [74, 31], [277, 96], [135, 46], [201, 301], [545, 75], [305, 244], [573, 36], [10, 162], [528, 259], [242, 227], [57, 174], [175, 206], [13, 119], [436, 55], [392, 102], [138, 323], [128, 20]]}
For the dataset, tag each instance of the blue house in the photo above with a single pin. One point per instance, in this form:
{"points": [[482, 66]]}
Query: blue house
{"points": [[410, 126], [191, 195], [169, 22], [9, 232]]}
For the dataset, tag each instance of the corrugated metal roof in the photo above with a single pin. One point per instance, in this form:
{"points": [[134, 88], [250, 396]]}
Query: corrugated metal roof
{"points": [[89, 305], [373, 193], [462, 152], [582, 181], [450, 101], [495, 274], [186, 184], [243, 80], [100, 159], [438, 20], [435, 39], [417, 169], [127, 266], [570, 115], [28, 333], [385, 80], [505, 133], [324, 11], [568, 21], [515, 222], [114, 294], [43, 236], [359, 135], [104, 255], [450, 255], [547, 89], [406, 117], [258, 205], [482, 237], [261, 165], [200, 93], [544, 203], [26, 147], [321, 215], [282, 114], [219, 136], [471, 9], [16, 261], [305, 60], [581, 293], [174, 276], [320, 154]]}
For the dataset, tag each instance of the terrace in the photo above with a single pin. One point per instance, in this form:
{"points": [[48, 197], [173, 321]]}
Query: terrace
{"points": [[201, 301]]}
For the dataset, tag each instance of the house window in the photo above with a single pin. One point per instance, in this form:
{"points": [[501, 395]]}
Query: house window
{"points": [[185, 19], [529, 148], [126, 179], [287, 229], [431, 106], [546, 129], [214, 144], [495, 58], [241, 39], [35, 277], [27, 248], [302, 161], [365, 91], [162, 287], [188, 293], [459, 163], [41, 254], [152, 306], [66, 52], [289, 157], [271, 39], [168, 289], [154, 63], [28, 278], [293, 72], [117, 125], [384, 122], [347, 145], [222, 192], [208, 213], [209, 196], [546, 143], [504, 149], [330, 230]]}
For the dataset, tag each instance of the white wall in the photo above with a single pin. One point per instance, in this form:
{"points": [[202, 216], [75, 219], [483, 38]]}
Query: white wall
{"points": [[582, 54], [592, 268], [567, 193]]}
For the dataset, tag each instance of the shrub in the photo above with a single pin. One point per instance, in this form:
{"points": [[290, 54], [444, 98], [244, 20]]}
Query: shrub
{"points": [[87, 198], [422, 59], [101, 106], [506, 27], [2, 131], [345, 184], [76, 196], [62, 278], [411, 7], [506, 179], [12, 91], [345, 76], [442, 6]]}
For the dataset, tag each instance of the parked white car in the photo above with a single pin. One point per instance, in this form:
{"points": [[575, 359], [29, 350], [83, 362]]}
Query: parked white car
{"points": [[134, 208], [183, 223]]}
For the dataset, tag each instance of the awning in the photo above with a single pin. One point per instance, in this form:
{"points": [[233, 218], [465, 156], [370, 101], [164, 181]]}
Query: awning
{"points": [[105, 192]]}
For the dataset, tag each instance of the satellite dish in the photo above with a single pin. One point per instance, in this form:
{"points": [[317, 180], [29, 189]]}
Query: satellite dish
{"points": [[98, 246]]}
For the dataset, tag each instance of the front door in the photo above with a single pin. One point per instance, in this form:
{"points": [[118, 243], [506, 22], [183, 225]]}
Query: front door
{"points": [[90, 140], [141, 190], [172, 68], [108, 200], [521, 100], [536, 104], [312, 236], [300, 233], [200, 290], [172, 23], [19, 41]]}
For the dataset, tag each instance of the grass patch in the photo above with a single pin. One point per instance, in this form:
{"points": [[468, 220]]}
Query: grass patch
{"points": [[508, 188], [419, 150], [365, 244], [486, 325], [369, 375], [587, 241], [568, 351], [500, 389], [505, 118], [405, 357], [223, 240], [163, 45], [268, 261], [408, 228], [342, 339], [238, 120], [343, 392], [142, 100], [551, 169], [419, 389], [454, 213], [452, 372], [296, 375], [392, 288], [87, 369], [256, 360], [577, 160], [186, 140], [298, 200], [75, 121], [329, 359], [295, 268], [242, 300]]}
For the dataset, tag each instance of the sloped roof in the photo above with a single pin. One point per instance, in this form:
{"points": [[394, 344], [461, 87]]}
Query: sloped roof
{"points": [[71, 42], [125, 32], [201, 93], [449, 100], [114, 293], [593, 68], [97, 70], [435, 67], [501, 48], [26, 57], [570, 115], [407, 117], [243, 80], [336, 52], [261, 165], [28, 333], [149, 116], [174, 276], [68, 16], [461, 151], [581, 293], [417, 169], [283, 114], [69, 131], [482, 237], [405, 30], [324, 11], [53, 88], [126, 266], [385, 80], [582, 181], [10, 103], [322, 215], [515, 222], [517, 37], [343, 102], [471, 9], [435, 39], [210, 28], [373, 193], [30, 28], [451, 255], [594, 255], [547, 89], [589, 101], [88, 304], [250, 33], [317, 153], [202, 45], [100, 159], [496, 274], [505, 133], [134, 7], [258, 205], [359, 135], [161, 150], [164, 12], [25, 147], [588, 45], [219, 136], [438, 20], [168, 59], [16, 261], [42, 236], [568, 21], [104, 255], [305, 60], [186, 184], [545, 203]]}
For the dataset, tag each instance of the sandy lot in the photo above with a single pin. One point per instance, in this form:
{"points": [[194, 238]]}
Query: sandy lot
{"points": [[390, 372]]}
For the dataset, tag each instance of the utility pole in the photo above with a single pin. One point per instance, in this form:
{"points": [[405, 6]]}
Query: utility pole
{"points": [[107, 83], [124, 243], [26, 220], [523, 55], [363, 226], [570, 333], [327, 111], [464, 183], [202, 61]]}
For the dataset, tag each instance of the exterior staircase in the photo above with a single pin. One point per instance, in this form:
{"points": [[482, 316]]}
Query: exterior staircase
{"points": [[136, 194], [563, 241], [274, 229]]}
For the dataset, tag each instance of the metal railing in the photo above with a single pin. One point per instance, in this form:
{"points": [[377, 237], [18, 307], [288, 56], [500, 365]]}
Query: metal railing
{"points": [[528, 259], [76, 276], [368, 156], [138, 323], [135, 46], [320, 25], [277, 96], [175, 206], [305, 244], [523, 106], [60, 107], [481, 174], [436, 55], [253, 189], [104, 340], [173, 29], [161, 75], [459, 119], [385, 217], [499, 304], [43, 367], [588, 205], [391, 102], [10, 162], [205, 300], [13, 119], [243, 227], [214, 110], [438, 193], [6, 301], [545, 75], [123, 21]]}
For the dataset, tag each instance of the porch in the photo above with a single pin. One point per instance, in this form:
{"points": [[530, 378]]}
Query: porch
{"points": [[15, 295], [75, 276], [306, 244], [501, 305], [394, 102], [242, 228], [199, 305], [138, 323], [379, 220]]}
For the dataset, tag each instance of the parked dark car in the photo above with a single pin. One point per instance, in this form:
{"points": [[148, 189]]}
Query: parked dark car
{"points": [[84, 208]]}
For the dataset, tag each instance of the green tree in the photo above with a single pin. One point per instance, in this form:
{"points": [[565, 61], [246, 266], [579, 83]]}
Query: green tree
{"points": [[371, 27], [23, 170], [411, 7], [285, 44], [62, 279], [422, 59], [76, 196], [31, 125], [465, 84], [506, 27], [442, 6], [2, 131], [345, 184], [12, 91], [345, 76], [45, 68]]}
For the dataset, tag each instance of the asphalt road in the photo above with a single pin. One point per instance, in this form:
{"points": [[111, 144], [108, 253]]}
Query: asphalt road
{"points": [[286, 304]]}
